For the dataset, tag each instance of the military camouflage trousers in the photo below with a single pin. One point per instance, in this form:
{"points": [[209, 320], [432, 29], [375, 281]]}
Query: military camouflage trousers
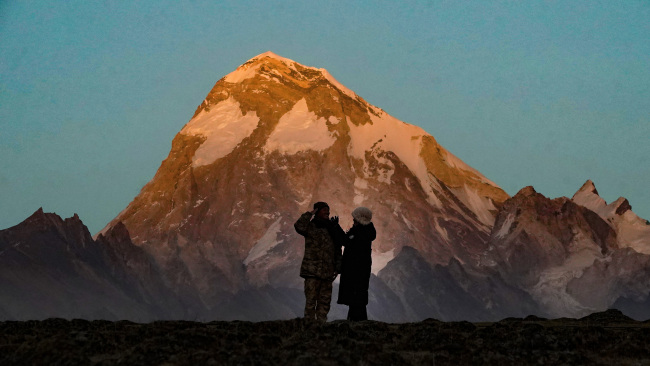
{"points": [[318, 295]]}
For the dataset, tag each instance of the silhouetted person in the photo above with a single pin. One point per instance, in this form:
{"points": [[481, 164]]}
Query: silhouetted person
{"points": [[322, 261], [355, 269]]}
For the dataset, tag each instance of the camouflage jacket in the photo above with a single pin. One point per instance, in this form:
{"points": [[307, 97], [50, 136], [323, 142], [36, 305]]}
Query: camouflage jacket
{"points": [[322, 254]]}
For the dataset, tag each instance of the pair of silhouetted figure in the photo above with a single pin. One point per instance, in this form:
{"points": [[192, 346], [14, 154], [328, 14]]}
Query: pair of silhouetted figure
{"points": [[323, 261]]}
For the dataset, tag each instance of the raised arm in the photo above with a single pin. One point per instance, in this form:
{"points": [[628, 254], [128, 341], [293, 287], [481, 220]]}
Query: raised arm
{"points": [[339, 235], [302, 225]]}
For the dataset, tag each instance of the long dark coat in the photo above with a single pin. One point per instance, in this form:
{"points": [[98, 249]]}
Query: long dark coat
{"points": [[355, 268]]}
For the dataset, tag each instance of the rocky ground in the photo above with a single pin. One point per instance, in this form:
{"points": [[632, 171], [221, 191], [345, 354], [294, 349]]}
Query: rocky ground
{"points": [[600, 339]]}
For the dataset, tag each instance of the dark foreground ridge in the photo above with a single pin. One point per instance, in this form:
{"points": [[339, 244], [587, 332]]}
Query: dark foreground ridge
{"points": [[600, 339]]}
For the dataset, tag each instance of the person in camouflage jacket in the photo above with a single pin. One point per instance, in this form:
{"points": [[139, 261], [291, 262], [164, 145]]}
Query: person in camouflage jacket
{"points": [[322, 260]]}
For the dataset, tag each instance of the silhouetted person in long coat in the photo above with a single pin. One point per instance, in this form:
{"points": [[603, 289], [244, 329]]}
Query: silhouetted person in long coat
{"points": [[355, 268]]}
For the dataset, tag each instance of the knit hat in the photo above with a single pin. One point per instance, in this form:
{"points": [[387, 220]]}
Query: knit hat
{"points": [[320, 205], [363, 215]]}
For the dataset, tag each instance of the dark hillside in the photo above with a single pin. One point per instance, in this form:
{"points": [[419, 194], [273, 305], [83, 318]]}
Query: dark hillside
{"points": [[600, 339]]}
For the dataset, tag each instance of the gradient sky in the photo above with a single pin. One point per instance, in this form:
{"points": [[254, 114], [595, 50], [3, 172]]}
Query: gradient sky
{"points": [[542, 93]]}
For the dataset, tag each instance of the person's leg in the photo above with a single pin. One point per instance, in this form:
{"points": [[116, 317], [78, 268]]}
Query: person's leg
{"points": [[353, 313], [311, 297], [357, 312], [350, 313], [324, 299], [363, 313]]}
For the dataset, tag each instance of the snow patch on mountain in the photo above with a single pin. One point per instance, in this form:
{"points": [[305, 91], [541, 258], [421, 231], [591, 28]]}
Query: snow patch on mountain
{"points": [[587, 198], [305, 202], [632, 231], [505, 228], [242, 73], [551, 288], [481, 206], [224, 127], [300, 130], [380, 260], [385, 175], [265, 243], [358, 198], [409, 224], [360, 183], [267, 215], [338, 85], [441, 230], [390, 134]]}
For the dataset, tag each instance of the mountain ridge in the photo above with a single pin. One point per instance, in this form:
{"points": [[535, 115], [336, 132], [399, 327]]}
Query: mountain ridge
{"points": [[213, 229], [268, 140]]}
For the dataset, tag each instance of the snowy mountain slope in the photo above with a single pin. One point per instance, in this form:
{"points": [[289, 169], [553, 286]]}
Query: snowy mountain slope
{"points": [[539, 245], [571, 255], [211, 235], [632, 231], [269, 140]]}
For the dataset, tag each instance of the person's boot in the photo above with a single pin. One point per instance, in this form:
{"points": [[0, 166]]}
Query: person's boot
{"points": [[310, 319], [321, 318]]}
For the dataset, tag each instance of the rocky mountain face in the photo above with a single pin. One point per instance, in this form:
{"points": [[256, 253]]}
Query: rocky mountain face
{"points": [[268, 141], [450, 292], [632, 231], [211, 235], [50, 267], [573, 256]]}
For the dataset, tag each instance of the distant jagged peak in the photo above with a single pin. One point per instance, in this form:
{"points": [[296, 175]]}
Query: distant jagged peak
{"points": [[42, 218], [588, 187], [41, 222], [526, 192], [37, 214], [588, 197], [632, 231], [622, 205], [74, 220]]}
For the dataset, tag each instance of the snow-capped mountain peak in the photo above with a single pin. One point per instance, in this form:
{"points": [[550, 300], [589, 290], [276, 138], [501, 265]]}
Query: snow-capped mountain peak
{"points": [[632, 230], [312, 111], [270, 66], [211, 236], [588, 196], [269, 140]]}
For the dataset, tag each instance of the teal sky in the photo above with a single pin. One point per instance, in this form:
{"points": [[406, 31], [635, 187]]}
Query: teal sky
{"points": [[542, 93]]}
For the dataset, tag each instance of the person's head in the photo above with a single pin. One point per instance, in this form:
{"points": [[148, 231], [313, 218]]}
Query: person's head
{"points": [[362, 215], [322, 210]]}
